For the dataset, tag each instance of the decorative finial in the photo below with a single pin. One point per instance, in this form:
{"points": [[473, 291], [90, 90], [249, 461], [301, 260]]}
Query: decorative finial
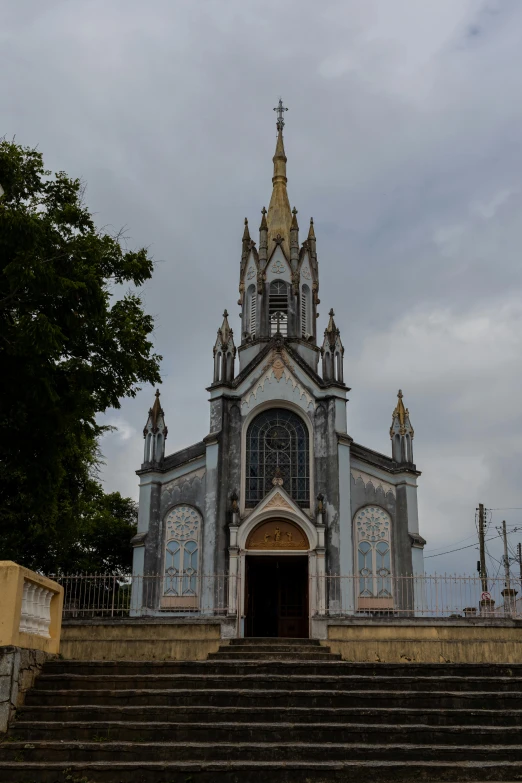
{"points": [[399, 394], [225, 314], [331, 314], [280, 109], [157, 392], [263, 211], [277, 481]]}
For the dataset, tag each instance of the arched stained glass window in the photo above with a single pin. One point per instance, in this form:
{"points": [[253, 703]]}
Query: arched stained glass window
{"points": [[373, 558], [277, 453], [181, 573]]}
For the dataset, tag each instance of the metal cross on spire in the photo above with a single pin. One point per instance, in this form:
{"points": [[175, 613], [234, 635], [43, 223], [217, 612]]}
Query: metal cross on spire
{"points": [[280, 109]]}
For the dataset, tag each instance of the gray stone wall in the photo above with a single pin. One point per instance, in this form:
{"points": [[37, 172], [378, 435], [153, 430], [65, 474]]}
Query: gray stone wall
{"points": [[18, 670]]}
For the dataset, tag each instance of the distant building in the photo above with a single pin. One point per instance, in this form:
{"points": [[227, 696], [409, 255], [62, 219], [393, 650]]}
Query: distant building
{"points": [[269, 513]]}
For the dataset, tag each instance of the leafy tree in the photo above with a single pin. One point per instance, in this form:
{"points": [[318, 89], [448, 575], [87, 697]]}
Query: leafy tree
{"points": [[72, 344], [108, 522]]}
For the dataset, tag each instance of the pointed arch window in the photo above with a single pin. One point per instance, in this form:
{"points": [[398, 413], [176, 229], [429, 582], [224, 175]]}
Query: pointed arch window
{"points": [[278, 307], [277, 453], [181, 570], [373, 559]]}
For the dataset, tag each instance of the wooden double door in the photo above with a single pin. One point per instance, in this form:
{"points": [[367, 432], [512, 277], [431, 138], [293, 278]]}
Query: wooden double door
{"points": [[277, 596]]}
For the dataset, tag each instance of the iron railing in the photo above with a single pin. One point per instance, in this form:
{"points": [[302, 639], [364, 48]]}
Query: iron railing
{"points": [[434, 595], [443, 596], [126, 595]]}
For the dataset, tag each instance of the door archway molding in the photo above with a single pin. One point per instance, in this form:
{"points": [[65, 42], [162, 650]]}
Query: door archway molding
{"points": [[276, 505]]}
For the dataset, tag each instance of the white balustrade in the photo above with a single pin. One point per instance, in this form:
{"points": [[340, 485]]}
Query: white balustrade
{"points": [[36, 610]]}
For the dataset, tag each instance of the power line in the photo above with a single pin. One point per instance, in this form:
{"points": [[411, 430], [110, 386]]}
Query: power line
{"points": [[436, 548], [512, 508], [460, 548]]}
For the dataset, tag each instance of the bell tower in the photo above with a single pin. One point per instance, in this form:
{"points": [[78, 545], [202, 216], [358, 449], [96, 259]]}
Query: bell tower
{"points": [[279, 283]]}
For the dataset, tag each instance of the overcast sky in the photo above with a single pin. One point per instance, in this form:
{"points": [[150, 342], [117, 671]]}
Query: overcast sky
{"points": [[403, 141]]}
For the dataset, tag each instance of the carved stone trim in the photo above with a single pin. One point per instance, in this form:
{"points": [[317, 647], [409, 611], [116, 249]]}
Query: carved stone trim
{"points": [[280, 368], [374, 481], [277, 534], [278, 501]]}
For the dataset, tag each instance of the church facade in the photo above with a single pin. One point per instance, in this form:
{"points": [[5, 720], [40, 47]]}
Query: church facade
{"points": [[277, 519]]}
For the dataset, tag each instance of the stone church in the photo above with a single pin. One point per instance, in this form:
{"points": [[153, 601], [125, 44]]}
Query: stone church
{"points": [[277, 520]]}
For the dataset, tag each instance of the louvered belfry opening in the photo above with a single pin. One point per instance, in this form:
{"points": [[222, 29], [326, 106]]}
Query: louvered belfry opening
{"points": [[278, 307]]}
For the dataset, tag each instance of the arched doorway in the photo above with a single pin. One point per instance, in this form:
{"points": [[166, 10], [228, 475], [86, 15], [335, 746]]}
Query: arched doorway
{"points": [[276, 589]]}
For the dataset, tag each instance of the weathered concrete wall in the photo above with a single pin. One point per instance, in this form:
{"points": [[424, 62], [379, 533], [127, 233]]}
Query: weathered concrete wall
{"points": [[18, 670], [450, 641], [116, 640]]}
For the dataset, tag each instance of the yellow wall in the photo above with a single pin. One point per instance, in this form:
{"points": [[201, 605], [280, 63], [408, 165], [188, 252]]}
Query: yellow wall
{"points": [[140, 641], [12, 578], [428, 643]]}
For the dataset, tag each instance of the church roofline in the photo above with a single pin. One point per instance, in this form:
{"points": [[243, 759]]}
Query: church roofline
{"points": [[379, 460], [177, 459]]}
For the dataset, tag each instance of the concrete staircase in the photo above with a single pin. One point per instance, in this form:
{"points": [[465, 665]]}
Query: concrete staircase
{"points": [[271, 710]]}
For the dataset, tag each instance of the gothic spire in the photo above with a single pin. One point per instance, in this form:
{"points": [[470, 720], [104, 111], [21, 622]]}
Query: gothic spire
{"points": [[331, 330], [224, 353], [332, 352], [279, 217], [155, 433], [401, 432], [225, 330], [263, 240]]}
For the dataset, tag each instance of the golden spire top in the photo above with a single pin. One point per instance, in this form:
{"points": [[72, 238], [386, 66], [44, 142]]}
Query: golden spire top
{"points": [[400, 411], [279, 218], [156, 411], [225, 330]]}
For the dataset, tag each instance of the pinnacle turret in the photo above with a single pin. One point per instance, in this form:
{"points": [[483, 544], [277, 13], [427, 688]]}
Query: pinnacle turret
{"points": [[155, 433], [332, 352], [224, 353], [401, 432]]}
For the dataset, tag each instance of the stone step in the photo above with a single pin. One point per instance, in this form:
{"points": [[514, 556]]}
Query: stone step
{"points": [[139, 732], [275, 714], [229, 654], [268, 640], [275, 697], [52, 752], [268, 681], [139, 668], [262, 772], [287, 649]]}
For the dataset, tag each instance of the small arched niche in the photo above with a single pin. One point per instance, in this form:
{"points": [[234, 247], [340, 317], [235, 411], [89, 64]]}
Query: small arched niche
{"points": [[277, 534]]}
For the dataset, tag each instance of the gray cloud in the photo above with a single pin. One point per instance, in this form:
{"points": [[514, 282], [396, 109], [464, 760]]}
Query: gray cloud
{"points": [[403, 142]]}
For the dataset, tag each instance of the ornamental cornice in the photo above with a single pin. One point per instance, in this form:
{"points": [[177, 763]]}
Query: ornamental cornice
{"points": [[373, 480]]}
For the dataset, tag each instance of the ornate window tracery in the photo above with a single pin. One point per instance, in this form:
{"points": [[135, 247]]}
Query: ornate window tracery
{"points": [[373, 563], [181, 572], [277, 454]]}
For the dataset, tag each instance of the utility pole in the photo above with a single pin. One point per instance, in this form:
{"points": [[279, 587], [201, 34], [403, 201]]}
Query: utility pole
{"points": [[506, 557], [483, 572], [519, 558]]}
